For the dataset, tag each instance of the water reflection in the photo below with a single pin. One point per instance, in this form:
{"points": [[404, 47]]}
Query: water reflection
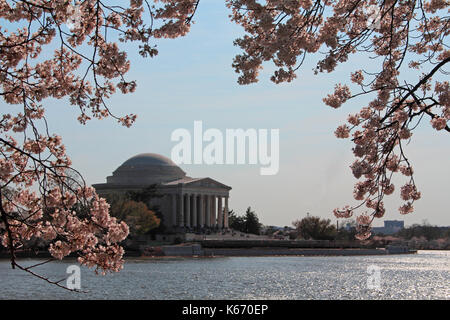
{"points": [[425, 275]]}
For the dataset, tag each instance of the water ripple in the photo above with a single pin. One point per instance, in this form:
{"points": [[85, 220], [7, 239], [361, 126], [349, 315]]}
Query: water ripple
{"points": [[425, 275]]}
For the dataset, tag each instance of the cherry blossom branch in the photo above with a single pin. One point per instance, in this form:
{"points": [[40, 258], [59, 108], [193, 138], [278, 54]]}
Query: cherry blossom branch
{"points": [[283, 32], [46, 279]]}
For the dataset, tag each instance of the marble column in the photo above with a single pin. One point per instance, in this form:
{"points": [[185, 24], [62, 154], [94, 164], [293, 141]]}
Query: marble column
{"points": [[188, 210], [225, 213], [181, 211], [174, 209], [194, 211], [219, 212], [202, 210], [213, 212], [208, 211]]}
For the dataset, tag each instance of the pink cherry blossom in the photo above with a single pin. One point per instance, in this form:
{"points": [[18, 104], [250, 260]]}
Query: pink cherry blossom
{"points": [[45, 61], [45, 54], [284, 32], [342, 132]]}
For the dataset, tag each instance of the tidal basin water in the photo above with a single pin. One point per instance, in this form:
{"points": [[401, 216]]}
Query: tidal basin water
{"points": [[425, 275]]}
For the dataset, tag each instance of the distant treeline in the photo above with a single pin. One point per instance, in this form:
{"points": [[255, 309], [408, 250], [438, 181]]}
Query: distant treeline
{"points": [[316, 228], [424, 231]]}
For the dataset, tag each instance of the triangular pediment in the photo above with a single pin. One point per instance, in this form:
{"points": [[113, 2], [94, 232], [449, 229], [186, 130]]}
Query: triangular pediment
{"points": [[207, 183]]}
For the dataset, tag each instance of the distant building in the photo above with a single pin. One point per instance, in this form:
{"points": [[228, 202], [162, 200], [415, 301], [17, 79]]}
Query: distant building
{"points": [[390, 227], [400, 224]]}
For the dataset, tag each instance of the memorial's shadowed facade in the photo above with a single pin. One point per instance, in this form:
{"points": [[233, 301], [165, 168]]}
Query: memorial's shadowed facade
{"points": [[186, 203]]}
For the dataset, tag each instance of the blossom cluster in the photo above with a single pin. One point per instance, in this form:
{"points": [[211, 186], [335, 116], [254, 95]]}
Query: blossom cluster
{"points": [[67, 216], [41, 196], [397, 34]]}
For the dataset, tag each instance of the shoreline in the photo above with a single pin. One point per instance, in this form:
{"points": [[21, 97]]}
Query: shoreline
{"points": [[190, 252], [274, 252]]}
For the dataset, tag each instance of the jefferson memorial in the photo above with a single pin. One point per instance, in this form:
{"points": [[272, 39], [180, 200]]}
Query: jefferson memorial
{"points": [[185, 202]]}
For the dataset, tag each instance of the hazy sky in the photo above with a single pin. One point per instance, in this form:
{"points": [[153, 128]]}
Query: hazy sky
{"points": [[192, 79]]}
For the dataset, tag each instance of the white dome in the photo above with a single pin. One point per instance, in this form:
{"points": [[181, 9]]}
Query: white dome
{"points": [[147, 159], [146, 169]]}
